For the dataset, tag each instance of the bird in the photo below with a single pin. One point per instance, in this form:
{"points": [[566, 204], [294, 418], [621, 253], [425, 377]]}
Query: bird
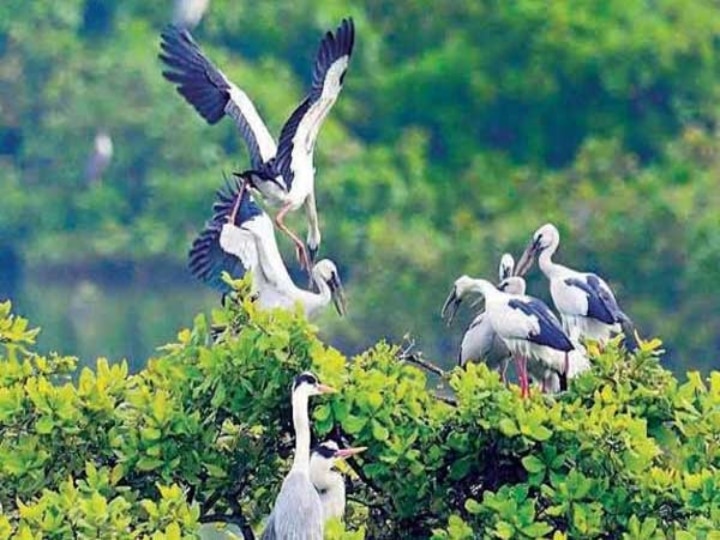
{"points": [[189, 13], [526, 325], [583, 299], [248, 244], [99, 159], [329, 483], [298, 510], [480, 341], [284, 173]]}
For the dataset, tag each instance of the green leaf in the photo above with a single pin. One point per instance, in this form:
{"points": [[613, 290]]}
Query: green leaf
{"points": [[44, 425], [508, 427], [354, 424], [379, 431], [533, 464]]}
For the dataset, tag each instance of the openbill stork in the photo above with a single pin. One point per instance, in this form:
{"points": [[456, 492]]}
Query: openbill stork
{"points": [[284, 174], [526, 325], [298, 510], [481, 342], [248, 244], [583, 299]]}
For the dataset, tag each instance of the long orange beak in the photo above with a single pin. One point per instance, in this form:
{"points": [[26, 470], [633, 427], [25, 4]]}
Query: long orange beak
{"points": [[325, 389], [347, 452]]}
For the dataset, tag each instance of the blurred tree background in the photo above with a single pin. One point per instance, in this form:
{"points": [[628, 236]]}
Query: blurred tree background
{"points": [[462, 128]]}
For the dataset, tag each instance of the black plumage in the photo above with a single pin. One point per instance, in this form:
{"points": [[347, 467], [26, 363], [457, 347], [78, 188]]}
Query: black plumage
{"points": [[551, 333]]}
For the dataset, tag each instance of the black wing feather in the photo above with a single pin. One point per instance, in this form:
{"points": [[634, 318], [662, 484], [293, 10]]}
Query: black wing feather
{"points": [[601, 305], [197, 79], [551, 333], [332, 48]]}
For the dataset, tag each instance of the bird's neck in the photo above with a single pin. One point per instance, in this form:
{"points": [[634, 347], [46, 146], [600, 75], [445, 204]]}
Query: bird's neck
{"points": [[301, 424], [547, 266], [313, 301], [332, 495], [313, 237]]}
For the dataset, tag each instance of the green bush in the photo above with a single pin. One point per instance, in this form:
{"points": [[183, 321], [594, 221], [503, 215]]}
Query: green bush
{"points": [[627, 452]]}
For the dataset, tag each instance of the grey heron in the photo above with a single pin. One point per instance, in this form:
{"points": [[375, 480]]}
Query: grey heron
{"points": [[284, 174], [525, 324], [583, 299], [298, 510], [480, 341], [248, 244], [329, 483]]}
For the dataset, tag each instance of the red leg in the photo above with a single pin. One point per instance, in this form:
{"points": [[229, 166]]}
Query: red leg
{"points": [[236, 206], [299, 246]]}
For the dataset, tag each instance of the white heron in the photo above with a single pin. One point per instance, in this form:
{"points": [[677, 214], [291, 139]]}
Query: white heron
{"points": [[526, 325], [329, 483], [284, 174], [583, 299], [298, 510], [99, 159], [248, 244], [480, 341]]}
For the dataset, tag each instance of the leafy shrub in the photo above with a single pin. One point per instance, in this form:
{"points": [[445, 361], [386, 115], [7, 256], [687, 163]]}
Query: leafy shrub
{"points": [[627, 452]]}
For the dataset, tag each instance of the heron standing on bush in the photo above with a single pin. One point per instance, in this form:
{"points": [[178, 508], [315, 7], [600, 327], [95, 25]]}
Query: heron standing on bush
{"points": [[284, 174]]}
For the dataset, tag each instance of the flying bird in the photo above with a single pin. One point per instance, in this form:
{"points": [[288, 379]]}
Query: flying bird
{"points": [[526, 325], [298, 510], [584, 300], [248, 244], [283, 174]]}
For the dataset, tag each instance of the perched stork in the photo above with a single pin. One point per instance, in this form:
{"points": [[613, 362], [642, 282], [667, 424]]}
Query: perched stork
{"points": [[284, 174], [248, 244], [480, 341], [329, 483], [526, 325], [583, 299], [298, 510]]}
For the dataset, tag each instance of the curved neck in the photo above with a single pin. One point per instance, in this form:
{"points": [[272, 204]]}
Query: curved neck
{"points": [[301, 424], [313, 236], [312, 301], [548, 267]]}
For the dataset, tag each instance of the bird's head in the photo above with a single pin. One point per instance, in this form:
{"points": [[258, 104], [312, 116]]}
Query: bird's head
{"points": [[326, 272], [545, 237], [463, 286], [308, 384], [324, 456], [512, 285], [507, 265]]}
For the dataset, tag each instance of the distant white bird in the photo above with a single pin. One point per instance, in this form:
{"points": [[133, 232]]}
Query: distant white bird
{"points": [[189, 13], [480, 341], [99, 159], [298, 510], [329, 483], [285, 175], [526, 325], [583, 299], [248, 244]]}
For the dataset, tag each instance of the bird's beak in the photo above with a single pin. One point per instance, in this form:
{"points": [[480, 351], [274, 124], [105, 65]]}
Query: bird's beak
{"points": [[450, 306], [347, 452], [338, 295], [325, 389], [527, 258]]}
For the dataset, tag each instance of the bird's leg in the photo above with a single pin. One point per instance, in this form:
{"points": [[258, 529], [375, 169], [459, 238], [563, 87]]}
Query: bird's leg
{"points": [[300, 251], [236, 206], [520, 374], [526, 380], [503, 373], [567, 363]]}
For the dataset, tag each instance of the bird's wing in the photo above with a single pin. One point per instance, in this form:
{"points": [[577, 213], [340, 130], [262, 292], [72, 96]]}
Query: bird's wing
{"points": [[548, 331], [298, 135], [231, 249], [298, 509], [601, 304], [269, 532], [212, 94]]}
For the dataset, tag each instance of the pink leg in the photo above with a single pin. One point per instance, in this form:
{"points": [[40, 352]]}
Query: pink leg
{"points": [[236, 206], [299, 246]]}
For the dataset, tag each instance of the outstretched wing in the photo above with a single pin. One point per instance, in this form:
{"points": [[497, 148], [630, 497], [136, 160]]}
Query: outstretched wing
{"points": [[298, 135], [207, 258], [212, 94], [549, 331]]}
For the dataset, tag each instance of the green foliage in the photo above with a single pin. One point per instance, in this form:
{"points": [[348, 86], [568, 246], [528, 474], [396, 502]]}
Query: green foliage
{"points": [[627, 452]]}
